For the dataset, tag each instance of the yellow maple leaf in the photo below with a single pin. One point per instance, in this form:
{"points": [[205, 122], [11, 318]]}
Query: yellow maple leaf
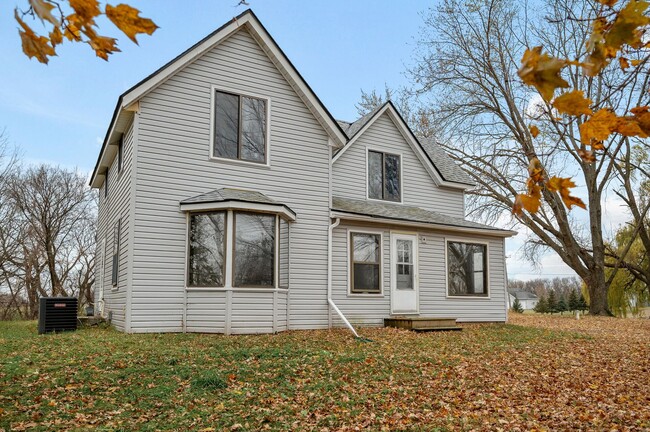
{"points": [[598, 128], [630, 127], [103, 46], [526, 202], [56, 37], [627, 28], [573, 103], [542, 71], [534, 130], [535, 171], [564, 186], [642, 115], [624, 63], [128, 19], [33, 44], [635, 62], [43, 10], [85, 10]]}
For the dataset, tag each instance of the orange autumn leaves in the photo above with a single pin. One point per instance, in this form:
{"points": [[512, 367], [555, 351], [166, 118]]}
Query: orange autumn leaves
{"points": [[613, 32], [78, 26]]}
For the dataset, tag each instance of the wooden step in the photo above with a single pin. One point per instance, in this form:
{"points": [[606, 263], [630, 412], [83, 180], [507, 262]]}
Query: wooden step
{"points": [[416, 323], [432, 329]]}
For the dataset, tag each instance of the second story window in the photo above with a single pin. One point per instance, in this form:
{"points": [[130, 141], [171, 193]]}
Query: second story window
{"points": [[384, 176], [240, 127]]}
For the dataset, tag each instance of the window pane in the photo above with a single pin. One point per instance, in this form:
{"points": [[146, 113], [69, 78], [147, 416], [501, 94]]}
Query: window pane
{"points": [[254, 250], [465, 270], [365, 248], [366, 277], [253, 125], [392, 180], [375, 175], [206, 249], [226, 125]]}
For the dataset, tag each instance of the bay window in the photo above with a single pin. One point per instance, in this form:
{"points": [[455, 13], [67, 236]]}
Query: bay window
{"points": [[237, 249]]}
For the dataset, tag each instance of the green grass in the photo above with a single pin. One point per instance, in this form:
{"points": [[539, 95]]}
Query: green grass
{"points": [[105, 380]]}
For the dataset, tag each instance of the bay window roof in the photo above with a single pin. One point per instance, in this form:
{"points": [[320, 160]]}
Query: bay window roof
{"points": [[237, 199]]}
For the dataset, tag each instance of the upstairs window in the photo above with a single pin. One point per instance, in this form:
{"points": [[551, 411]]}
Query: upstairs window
{"points": [[119, 155], [240, 127], [106, 184], [467, 269], [384, 176]]}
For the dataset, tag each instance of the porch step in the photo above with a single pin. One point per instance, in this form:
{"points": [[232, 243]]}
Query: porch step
{"points": [[431, 329], [422, 323]]}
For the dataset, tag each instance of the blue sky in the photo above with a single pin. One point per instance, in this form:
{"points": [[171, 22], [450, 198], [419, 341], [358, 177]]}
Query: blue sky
{"points": [[59, 113]]}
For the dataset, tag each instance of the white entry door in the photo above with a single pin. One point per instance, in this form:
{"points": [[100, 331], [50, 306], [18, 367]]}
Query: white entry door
{"points": [[404, 274]]}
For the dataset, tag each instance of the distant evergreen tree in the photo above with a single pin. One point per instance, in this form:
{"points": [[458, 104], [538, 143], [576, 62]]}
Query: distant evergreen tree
{"points": [[562, 305], [552, 302], [582, 303], [517, 307], [542, 305], [574, 301]]}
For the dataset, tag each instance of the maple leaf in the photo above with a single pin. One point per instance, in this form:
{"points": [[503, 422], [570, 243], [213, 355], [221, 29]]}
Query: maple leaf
{"points": [[530, 203], [535, 170], [627, 27], [534, 130], [564, 186], [542, 71], [587, 155], [43, 10], [573, 103], [128, 19], [642, 115], [609, 3], [56, 37], [85, 10], [103, 46], [33, 44], [624, 63], [598, 128], [629, 126]]}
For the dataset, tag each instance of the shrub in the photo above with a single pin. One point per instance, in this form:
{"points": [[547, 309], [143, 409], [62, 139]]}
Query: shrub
{"points": [[517, 307]]}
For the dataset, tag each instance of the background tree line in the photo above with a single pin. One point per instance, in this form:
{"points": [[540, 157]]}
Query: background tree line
{"points": [[47, 229]]}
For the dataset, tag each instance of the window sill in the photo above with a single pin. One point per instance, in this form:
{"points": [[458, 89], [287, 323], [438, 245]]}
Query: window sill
{"points": [[241, 162], [469, 297], [362, 295], [401, 202]]}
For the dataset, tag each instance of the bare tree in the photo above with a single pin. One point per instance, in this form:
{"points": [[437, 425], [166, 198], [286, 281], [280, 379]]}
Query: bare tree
{"points": [[467, 64], [47, 235]]}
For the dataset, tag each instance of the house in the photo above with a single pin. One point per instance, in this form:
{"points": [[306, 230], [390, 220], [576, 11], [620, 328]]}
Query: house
{"points": [[527, 299], [231, 201]]}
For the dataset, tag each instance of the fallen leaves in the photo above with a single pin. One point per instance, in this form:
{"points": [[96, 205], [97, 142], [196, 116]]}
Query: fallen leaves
{"points": [[544, 373], [79, 26]]}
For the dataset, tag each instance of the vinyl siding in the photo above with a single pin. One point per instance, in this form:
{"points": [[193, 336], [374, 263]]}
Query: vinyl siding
{"points": [[116, 206], [173, 164], [418, 188], [371, 310]]}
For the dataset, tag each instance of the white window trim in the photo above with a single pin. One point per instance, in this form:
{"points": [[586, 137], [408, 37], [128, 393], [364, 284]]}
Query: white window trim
{"points": [[486, 270], [213, 90], [230, 237], [401, 175], [348, 258]]}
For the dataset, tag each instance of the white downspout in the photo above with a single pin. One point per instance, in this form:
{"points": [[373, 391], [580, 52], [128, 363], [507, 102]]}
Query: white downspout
{"points": [[329, 278]]}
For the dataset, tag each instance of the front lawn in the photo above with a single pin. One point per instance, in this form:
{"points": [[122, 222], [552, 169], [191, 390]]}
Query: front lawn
{"points": [[540, 373]]}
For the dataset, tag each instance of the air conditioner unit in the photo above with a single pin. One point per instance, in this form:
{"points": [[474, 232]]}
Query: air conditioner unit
{"points": [[57, 314]]}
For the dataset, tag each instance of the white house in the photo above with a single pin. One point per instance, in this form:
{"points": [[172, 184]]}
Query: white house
{"points": [[527, 299], [231, 201]]}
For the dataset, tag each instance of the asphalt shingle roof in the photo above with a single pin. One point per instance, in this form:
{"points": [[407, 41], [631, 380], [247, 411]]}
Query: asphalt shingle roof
{"points": [[522, 295], [401, 212], [446, 166], [228, 194]]}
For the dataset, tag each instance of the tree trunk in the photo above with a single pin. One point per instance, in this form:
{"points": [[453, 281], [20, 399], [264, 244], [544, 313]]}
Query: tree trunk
{"points": [[597, 287]]}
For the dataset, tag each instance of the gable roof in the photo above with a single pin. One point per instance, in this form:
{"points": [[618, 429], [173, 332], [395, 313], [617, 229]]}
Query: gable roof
{"points": [[128, 100], [404, 213], [445, 171]]}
